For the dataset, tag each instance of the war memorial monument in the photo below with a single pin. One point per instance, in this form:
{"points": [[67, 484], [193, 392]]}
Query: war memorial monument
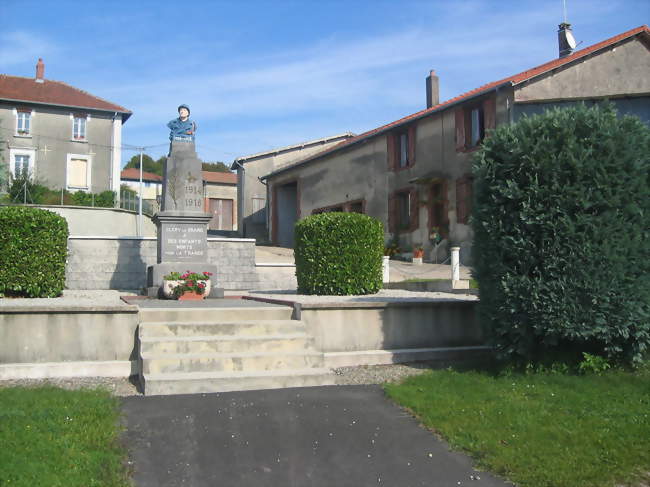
{"points": [[182, 222]]}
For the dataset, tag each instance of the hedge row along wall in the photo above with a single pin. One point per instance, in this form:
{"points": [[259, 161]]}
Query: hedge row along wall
{"points": [[33, 250]]}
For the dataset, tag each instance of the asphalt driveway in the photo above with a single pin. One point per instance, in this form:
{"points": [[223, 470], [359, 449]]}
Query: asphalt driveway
{"points": [[318, 436]]}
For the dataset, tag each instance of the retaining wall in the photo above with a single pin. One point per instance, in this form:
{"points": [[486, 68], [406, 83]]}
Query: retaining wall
{"points": [[121, 262], [389, 332], [85, 341]]}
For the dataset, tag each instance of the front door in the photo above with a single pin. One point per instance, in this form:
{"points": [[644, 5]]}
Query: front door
{"points": [[221, 211]]}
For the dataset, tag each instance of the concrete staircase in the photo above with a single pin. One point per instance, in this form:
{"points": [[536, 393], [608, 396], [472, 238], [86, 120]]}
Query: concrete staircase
{"points": [[196, 350]]}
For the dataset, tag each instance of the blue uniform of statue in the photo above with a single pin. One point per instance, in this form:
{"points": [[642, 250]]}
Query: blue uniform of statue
{"points": [[182, 128]]}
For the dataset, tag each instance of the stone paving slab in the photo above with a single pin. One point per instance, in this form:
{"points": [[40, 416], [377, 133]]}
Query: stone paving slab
{"points": [[205, 303], [343, 436]]}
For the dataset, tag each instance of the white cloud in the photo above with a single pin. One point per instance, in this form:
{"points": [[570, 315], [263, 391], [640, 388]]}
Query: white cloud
{"points": [[19, 47]]}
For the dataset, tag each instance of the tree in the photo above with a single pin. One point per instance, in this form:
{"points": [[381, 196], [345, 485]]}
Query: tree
{"points": [[561, 219], [215, 167], [148, 164]]}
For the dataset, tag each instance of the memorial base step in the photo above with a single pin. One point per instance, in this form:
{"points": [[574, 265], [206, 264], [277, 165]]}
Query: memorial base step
{"points": [[199, 350]]}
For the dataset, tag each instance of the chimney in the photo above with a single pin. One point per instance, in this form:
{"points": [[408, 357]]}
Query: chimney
{"points": [[40, 71], [565, 39], [433, 89]]}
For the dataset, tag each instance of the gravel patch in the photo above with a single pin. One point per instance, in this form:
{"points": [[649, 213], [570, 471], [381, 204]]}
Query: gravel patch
{"points": [[380, 374], [383, 296], [117, 386]]}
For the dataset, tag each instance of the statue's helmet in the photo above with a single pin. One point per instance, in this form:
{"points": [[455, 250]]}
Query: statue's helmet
{"points": [[184, 106]]}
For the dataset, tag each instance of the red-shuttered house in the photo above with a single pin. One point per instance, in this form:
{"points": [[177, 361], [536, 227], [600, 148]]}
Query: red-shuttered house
{"points": [[415, 174]]}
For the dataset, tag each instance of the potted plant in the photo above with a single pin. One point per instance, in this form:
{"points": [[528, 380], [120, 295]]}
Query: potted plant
{"points": [[187, 286], [435, 236], [418, 254], [418, 251]]}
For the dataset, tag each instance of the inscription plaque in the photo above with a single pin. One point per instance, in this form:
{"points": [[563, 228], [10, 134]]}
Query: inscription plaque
{"points": [[183, 242]]}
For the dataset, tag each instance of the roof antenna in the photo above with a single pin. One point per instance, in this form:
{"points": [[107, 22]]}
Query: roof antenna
{"points": [[566, 41]]}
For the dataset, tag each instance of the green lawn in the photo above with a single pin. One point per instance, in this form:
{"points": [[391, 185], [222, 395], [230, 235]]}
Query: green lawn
{"points": [[540, 429], [53, 437]]}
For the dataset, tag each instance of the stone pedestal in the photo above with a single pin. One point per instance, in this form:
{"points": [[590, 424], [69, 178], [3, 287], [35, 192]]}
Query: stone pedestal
{"points": [[182, 222]]}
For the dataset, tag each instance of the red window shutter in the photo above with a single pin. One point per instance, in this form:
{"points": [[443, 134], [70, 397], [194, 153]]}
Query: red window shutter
{"points": [[460, 129], [411, 139], [489, 114], [460, 200], [392, 213], [463, 199], [469, 184], [390, 150], [415, 210]]}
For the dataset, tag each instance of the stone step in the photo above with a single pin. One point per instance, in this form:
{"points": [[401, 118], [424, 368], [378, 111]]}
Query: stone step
{"points": [[220, 328], [229, 362], [215, 314], [228, 344], [205, 382]]}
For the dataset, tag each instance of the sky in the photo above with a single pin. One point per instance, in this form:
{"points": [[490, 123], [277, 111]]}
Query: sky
{"points": [[264, 74]]}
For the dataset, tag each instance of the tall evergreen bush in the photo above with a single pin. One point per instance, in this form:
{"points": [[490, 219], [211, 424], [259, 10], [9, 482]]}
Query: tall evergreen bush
{"points": [[339, 254], [33, 250], [562, 234]]}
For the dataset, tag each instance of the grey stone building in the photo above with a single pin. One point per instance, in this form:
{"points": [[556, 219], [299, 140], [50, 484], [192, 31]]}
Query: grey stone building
{"points": [[414, 174], [61, 136], [252, 195]]}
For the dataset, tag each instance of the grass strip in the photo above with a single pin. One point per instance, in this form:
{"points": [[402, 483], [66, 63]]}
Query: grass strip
{"points": [[56, 437], [540, 429]]}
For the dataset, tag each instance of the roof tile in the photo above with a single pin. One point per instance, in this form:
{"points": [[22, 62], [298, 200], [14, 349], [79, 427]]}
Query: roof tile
{"points": [[515, 79], [54, 93]]}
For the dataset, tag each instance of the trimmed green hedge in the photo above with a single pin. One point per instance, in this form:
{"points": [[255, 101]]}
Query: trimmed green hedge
{"points": [[33, 250], [562, 234], [339, 254]]}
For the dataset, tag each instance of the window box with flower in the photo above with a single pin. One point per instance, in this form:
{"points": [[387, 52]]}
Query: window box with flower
{"points": [[187, 286]]}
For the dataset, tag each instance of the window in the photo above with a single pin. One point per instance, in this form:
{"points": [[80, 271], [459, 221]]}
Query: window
{"points": [[22, 162], [473, 122], [79, 127], [477, 126], [78, 172], [401, 148], [23, 122], [21, 166], [259, 210]]}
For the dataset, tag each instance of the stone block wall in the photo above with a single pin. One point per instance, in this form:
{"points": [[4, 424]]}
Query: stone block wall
{"points": [[121, 262]]}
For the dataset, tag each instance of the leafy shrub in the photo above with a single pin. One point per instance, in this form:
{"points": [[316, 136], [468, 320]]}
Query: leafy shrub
{"points": [[23, 190], [593, 364], [33, 250], [339, 254], [105, 199], [561, 219]]}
